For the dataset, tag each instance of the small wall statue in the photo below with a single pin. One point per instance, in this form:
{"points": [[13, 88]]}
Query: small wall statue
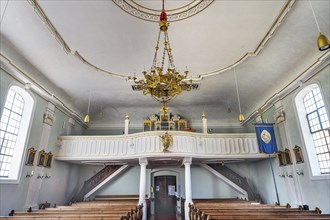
{"points": [[30, 156], [298, 154]]}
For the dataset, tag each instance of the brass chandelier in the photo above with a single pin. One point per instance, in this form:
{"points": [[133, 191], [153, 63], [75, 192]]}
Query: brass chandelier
{"points": [[163, 84]]}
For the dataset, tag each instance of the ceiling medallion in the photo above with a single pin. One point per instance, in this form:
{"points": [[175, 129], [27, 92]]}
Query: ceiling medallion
{"points": [[148, 14], [163, 83]]}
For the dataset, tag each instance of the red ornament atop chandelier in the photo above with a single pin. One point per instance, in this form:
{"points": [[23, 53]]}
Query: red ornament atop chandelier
{"points": [[163, 15]]}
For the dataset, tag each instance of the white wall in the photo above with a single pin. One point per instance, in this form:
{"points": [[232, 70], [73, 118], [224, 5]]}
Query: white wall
{"points": [[126, 183], [64, 176], [315, 192], [204, 183]]}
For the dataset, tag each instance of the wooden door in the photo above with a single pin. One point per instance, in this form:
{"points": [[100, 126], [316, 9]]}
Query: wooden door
{"points": [[165, 200]]}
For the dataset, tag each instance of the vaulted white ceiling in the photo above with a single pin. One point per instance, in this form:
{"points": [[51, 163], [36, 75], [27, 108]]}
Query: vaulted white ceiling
{"points": [[270, 42]]}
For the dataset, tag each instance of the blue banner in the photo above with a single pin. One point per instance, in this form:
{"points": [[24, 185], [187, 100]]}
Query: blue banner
{"points": [[266, 138]]}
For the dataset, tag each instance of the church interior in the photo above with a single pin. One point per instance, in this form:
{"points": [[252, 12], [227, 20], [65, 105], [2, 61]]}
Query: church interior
{"points": [[164, 109]]}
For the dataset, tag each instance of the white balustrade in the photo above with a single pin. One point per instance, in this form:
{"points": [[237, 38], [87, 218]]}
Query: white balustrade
{"points": [[149, 144]]}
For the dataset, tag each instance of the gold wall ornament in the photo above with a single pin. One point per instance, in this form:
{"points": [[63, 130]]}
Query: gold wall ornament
{"points": [[162, 83], [167, 141], [261, 113]]}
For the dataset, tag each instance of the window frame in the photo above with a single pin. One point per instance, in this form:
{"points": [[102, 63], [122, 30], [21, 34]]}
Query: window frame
{"points": [[14, 113], [305, 130], [23, 133]]}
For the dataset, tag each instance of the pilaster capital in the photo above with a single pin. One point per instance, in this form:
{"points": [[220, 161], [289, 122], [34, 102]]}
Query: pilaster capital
{"points": [[279, 115], [49, 116], [143, 161], [187, 161], [71, 121]]}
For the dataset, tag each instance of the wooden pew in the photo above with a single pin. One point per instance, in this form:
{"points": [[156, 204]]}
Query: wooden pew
{"points": [[204, 209], [104, 210]]}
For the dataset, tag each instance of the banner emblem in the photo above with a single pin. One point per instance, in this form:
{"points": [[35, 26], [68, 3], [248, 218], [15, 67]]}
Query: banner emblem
{"points": [[265, 136]]}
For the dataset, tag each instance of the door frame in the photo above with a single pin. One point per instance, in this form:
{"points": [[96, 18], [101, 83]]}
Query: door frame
{"points": [[164, 172]]}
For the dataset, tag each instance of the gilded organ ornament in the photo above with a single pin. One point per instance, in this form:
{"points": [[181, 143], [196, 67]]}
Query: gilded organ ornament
{"points": [[167, 141]]}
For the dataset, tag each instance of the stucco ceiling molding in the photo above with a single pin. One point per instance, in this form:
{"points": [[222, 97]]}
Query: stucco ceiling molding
{"points": [[67, 49], [149, 14], [322, 62], [24, 78], [280, 18]]}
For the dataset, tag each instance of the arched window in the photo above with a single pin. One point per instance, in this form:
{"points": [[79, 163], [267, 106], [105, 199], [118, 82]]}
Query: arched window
{"points": [[14, 126], [315, 127]]}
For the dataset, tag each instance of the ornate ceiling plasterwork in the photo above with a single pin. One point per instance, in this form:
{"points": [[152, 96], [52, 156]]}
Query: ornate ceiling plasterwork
{"points": [[148, 14], [199, 76]]}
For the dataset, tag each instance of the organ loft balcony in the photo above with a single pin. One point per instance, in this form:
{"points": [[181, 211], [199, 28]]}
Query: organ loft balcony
{"points": [[159, 144]]}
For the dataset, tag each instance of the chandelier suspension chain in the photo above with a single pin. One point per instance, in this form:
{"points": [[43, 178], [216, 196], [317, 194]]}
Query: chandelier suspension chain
{"points": [[164, 52], [154, 63], [163, 84], [169, 51]]}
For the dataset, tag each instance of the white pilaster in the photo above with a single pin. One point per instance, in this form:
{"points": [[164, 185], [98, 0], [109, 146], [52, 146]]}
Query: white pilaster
{"points": [[292, 183], [35, 182], [70, 126], [187, 164], [143, 181], [126, 123]]}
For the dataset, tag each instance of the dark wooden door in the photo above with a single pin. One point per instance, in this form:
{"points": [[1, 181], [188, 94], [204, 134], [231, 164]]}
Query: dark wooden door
{"points": [[165, 200]]}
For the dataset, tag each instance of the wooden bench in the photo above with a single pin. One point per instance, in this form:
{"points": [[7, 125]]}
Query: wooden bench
{"points": [[105, 210], [116, 197], [204, 209]]}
